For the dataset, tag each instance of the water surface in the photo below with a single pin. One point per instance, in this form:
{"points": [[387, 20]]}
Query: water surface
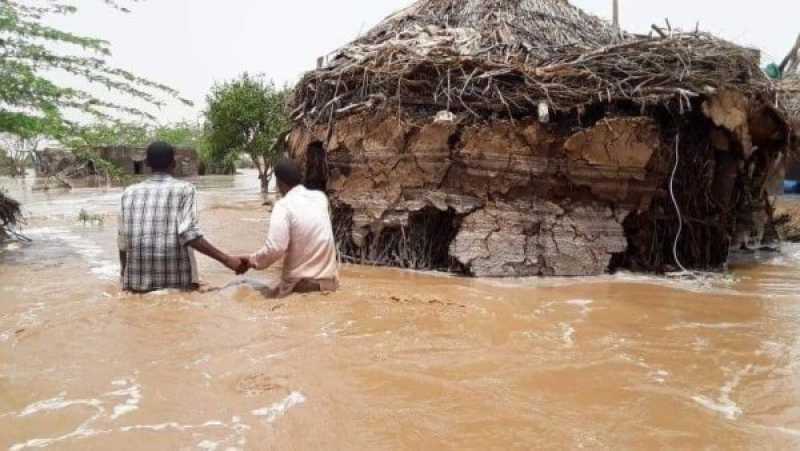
{"points": [[395, 360]]}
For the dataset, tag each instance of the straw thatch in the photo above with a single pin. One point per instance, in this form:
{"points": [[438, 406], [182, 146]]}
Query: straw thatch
{"points": [[788, 223], [537, 27], [789, 98], [511, 57], [790, 95], [525, 137]]}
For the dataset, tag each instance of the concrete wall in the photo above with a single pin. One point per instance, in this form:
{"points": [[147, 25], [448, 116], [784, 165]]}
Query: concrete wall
{"points": [[132, 161]]}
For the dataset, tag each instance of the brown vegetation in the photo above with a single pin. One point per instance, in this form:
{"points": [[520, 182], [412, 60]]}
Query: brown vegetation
{"points": [[788, 221], [9, 213]]}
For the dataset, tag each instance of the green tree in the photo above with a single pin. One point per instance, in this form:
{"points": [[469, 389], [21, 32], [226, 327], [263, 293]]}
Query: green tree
{"points": [[17, 153], [84, 140], [193, 135], [181, 134], [103, 134], [246, 116], [19, 145], [32, 105], [31, 51]]}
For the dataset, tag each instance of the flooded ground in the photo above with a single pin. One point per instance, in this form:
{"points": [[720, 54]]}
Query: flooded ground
{"points": [[395, 360]]}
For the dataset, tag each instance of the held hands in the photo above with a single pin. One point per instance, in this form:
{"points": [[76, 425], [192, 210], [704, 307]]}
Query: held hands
{"points": [[244, 266], [239, 265]]}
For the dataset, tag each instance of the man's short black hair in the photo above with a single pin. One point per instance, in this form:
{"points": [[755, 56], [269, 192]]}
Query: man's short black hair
{"points": [[288, 173], [160, 156]]}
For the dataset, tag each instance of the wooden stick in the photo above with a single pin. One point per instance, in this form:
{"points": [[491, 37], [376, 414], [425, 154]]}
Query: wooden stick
{"points": [[792, 56], [659, 31]]}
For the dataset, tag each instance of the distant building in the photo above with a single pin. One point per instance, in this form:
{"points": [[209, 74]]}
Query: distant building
{"points": [[131, 160]]}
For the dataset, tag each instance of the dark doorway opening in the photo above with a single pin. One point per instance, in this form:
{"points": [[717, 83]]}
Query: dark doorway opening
{"points": [[423, 243], [316, 167], [138, 167]]}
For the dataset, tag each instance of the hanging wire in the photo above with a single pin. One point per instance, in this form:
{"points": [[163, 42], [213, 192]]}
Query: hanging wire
{"points": [[677, 207]]}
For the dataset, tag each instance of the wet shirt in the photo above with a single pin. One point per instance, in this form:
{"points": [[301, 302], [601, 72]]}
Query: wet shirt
{"points": [[157, 222], [300, 231]]}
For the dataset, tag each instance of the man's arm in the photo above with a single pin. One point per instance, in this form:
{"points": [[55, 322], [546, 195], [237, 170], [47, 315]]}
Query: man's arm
{"points": [[190, 235], [277, 240], [123, 262], [122, 239], [239, 265]]}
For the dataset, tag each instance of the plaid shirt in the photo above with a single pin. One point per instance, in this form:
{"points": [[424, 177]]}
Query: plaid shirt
{"points": [[157, 222]]}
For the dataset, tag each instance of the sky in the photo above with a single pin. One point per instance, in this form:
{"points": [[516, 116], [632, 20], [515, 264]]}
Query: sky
{"points": [[191, 44]]}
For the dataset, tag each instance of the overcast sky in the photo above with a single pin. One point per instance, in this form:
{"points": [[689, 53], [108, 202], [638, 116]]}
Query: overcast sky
{"points": [[190, 44]]}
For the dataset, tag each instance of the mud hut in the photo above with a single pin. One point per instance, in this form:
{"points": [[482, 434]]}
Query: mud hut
{"points": [[526, 137]]}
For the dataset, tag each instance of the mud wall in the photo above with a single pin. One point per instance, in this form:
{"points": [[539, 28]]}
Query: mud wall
{"points": [[130, 160], [509, 198], [51, 162], [522, 198]]}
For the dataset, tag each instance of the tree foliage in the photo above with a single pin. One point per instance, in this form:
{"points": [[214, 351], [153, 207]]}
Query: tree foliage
{"points": [[246, 116], [17, 153], [84, 140], [9, 166], [181, 134], [32, 105], [105, 134], [32, 51]]}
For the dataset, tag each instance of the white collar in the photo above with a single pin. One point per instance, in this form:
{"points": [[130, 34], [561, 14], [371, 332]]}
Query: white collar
{"points": [[299, 189]]}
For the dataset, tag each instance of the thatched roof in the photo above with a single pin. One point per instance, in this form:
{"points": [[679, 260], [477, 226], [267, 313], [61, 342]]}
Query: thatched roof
{"points": [[790, 84], [790, 96], [501, 27], [509, 57]]}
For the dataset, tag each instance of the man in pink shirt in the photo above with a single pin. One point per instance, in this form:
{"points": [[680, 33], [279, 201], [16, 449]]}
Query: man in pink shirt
{"points": [[301, 233]]}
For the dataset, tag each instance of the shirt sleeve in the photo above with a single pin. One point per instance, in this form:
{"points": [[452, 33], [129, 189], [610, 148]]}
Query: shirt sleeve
{"points": [[122, 229], [277, 239], [188, 225]]}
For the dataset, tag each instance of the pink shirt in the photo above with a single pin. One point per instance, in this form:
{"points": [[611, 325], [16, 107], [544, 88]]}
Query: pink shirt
{"points": [[300, 231]]}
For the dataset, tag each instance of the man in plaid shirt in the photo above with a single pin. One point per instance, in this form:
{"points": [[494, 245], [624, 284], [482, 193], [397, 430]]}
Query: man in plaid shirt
{"points": [[158, 231]]}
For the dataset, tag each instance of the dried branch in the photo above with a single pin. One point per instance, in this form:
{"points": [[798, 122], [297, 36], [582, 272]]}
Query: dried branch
{"points": [[439, 69]]}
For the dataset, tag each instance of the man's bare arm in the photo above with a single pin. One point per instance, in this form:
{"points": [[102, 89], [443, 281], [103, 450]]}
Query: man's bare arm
{"points": [[235, 264]]}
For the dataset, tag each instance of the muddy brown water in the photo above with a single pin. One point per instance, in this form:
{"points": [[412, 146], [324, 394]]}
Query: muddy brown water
{"points": [[395, 360]]}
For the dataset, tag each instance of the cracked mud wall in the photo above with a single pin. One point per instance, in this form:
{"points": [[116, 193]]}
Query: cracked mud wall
{"points": [[524, 198], [521, 198], [538, 238]]}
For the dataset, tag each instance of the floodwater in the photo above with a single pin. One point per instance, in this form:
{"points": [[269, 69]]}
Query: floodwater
{"points": [[395, 360]]}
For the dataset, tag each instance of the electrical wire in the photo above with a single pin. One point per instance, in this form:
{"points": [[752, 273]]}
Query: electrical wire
{"points": [[677, 207]]}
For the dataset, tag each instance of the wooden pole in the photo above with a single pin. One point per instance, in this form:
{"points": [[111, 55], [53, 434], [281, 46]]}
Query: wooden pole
{"points": [[791, 57], [616, 14]]}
